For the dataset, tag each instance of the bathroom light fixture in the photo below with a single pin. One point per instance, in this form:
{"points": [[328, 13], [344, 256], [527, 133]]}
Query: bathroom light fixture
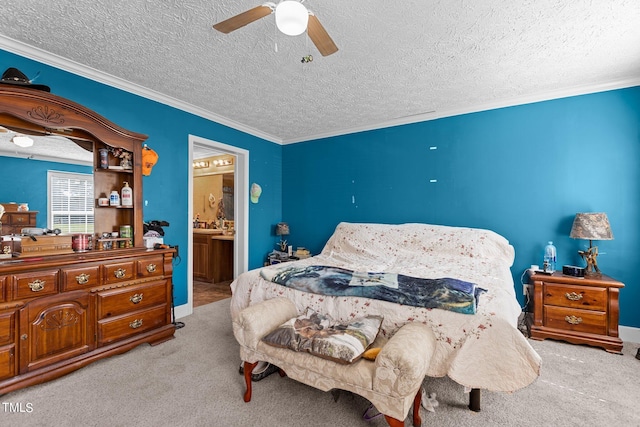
{"points": [[22, 141], [291, 17], [201, 164], [223, 162]]}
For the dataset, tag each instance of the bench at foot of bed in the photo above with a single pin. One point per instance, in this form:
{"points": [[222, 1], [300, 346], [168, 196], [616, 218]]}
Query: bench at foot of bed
{"points": [[392, 382]]}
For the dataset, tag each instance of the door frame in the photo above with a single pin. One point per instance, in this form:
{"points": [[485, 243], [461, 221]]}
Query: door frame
{"points": [[240, 214]]}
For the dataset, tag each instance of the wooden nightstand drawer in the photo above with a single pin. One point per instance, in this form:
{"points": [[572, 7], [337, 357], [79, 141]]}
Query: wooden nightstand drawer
{"points": [[24, 219], [590, 298], [31, 285], [114, 302], [80, 278], [124, 326], [150, 267], [120, 272], [569, 319]]}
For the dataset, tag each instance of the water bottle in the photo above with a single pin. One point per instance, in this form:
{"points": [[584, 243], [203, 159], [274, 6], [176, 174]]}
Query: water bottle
{"points": [[549, 261]]}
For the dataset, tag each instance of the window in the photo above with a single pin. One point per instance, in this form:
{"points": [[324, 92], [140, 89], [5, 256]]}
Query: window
{"points": [[70, 202]]}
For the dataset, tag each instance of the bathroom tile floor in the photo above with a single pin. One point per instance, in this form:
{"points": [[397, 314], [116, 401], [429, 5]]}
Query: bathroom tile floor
{"points": [[206, 292]]}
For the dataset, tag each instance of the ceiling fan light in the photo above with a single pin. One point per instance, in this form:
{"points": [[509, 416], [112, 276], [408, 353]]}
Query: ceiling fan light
{"points": [[291, 17], [22, 141]]}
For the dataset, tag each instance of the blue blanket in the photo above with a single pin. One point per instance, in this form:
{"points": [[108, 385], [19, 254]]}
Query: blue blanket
{"points": [[444, 293]]}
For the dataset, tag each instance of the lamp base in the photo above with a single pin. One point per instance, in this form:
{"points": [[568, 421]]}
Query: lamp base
{"points": [[591, 257]]}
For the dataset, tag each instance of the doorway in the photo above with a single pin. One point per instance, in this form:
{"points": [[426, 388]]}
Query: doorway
{"points": [[240, 209]]}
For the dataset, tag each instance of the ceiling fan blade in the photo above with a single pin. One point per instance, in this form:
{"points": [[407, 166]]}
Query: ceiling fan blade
{"points": [[243, 19], [320, 37]]}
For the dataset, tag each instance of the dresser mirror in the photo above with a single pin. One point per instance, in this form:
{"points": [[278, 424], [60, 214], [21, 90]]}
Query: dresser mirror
{"points": [[35, 155], [53, 147]]}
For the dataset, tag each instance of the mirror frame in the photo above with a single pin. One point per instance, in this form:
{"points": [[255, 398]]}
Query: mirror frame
{"points": [[40, 112]]}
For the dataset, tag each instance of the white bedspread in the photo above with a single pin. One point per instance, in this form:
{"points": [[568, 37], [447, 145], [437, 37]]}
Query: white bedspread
{"points": [[485, 350]]}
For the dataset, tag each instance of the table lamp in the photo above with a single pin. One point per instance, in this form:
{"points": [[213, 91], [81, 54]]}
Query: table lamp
{"points": [[591, 226], [282, 229]]}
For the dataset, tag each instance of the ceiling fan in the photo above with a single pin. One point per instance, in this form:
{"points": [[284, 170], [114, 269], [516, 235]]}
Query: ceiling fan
{"points": [[292, 18]]}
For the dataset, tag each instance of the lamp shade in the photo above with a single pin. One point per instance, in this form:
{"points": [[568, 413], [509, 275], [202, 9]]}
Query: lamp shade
{"points": [[591, 226], [291, 17], [282, 229]]}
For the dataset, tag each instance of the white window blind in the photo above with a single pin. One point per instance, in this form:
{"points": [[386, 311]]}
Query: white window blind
{"points": [[70, 202]]}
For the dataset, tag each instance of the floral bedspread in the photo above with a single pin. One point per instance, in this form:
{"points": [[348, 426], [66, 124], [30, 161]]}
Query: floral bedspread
{"points": [[484, 350]]}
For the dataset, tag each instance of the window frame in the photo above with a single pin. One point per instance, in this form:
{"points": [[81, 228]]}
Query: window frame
{"points": [[89, 226]]}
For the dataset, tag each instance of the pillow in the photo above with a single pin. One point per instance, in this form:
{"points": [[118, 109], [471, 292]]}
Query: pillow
{"points": [[319, 335]]}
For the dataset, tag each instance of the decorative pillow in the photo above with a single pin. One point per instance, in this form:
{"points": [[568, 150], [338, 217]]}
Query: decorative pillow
{"points": [[319, 335]]}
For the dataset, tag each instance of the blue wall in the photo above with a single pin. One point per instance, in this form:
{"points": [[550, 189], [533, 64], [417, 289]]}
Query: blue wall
{"points": [[166, 189], [521, 171]]}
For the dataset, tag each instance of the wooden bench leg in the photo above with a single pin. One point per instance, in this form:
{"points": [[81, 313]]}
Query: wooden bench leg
{"points": [[474, 399], [417, 402], [417, 422], [393, 422], [248, 369]]}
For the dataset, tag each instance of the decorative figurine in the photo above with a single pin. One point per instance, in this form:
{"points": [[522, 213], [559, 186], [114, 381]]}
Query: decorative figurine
{"points": [[590, 256]]}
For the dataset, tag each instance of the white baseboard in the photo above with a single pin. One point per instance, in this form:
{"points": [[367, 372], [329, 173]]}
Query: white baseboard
{"points": [[629, 334], [183, 310]]}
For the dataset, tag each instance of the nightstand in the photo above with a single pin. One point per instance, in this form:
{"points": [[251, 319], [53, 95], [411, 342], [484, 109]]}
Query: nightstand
{"points": [[577, 310]]}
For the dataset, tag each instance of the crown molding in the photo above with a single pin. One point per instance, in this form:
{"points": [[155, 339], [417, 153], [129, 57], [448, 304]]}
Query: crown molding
{"points": [[48, 58], [504, 103], [62, 63]]}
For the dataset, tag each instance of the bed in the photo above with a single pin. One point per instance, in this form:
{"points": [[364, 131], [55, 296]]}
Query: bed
{"points": [[483, 350]]}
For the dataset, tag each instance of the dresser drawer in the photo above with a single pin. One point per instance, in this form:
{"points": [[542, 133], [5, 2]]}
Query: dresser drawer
{"points": [[569, 319], [118, 328], [114, 302], [31, 285], [119, 272], [22, 219], [7, 327], [150, 267], [80, 278], [584, 297]]}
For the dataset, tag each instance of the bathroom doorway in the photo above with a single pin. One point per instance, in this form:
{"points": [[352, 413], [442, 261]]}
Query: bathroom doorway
{"points": [[231, 170]]}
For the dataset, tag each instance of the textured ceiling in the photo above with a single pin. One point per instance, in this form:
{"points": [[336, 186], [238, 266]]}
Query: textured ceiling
{"points": [[398, 62]]}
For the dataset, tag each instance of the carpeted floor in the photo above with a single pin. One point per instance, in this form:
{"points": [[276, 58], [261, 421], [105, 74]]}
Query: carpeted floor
{"points": [[193, 380]]}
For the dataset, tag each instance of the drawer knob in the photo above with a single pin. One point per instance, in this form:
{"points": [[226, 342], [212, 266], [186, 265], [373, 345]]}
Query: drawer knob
{"points": [[574, 320], [24, 337], [151, 268], [120, 273], [83, 279], [37, 285], [573, 296], [135, 298], [135, 324]]}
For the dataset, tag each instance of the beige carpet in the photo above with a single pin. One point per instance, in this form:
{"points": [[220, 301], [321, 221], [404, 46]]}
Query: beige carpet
{"points": [[193, 380]]}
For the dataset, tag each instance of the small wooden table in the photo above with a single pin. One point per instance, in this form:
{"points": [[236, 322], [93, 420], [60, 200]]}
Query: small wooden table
{"points": [[577, 310]]}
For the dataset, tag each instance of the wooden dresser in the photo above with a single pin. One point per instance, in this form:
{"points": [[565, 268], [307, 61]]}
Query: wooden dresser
{"points": [[60, 313], [14, 221], [577, 310]]}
